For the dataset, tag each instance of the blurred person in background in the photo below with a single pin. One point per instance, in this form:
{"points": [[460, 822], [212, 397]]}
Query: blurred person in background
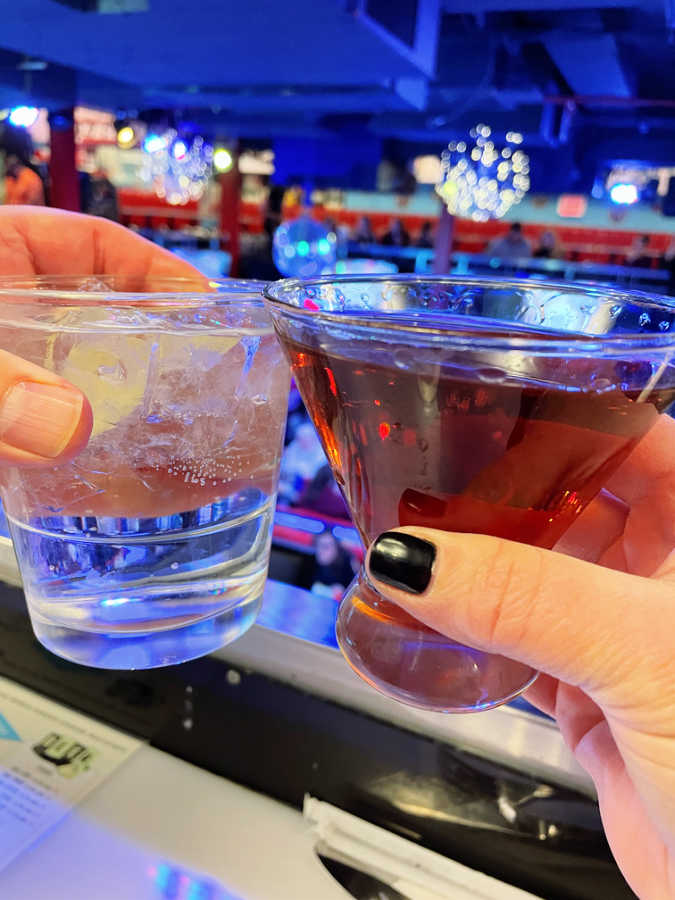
{"points": [[101, 197], [638, 257], [363, 233], [323, 495], [341, 232], [329, 571], [273, 207], [426, 236], [294, 196], [512, 245], [23, 185], [546, 248], [397, 236], [300, 462]]}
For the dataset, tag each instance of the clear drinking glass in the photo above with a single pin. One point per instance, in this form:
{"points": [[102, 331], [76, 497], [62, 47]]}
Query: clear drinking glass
{"points": [[151, 547], [467, 405]]}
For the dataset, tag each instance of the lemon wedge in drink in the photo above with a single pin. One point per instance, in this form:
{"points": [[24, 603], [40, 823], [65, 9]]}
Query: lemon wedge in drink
{"points": [[112, 373], [122, 373]]}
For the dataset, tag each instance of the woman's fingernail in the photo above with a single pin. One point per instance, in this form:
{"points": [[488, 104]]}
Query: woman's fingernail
{"points": [[402, 561], [39, 418]]}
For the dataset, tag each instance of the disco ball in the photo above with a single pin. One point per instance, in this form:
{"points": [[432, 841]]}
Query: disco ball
{"points": [[179, 170], [303, 248], [481, 182]]}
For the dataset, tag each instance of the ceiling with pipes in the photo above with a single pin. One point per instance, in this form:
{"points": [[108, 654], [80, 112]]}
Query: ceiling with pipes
{"points": [[585, 81]]}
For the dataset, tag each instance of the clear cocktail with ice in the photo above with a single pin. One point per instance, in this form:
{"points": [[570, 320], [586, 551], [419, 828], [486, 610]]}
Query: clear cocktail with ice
{"points": [[151, 547]]}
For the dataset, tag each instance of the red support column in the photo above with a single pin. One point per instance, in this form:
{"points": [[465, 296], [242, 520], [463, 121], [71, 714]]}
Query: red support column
{"points": [[443, 242], [64, 191], [230, 200]]}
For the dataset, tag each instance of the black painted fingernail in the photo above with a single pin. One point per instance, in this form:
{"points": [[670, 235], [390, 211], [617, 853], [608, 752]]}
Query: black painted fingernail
{"points": [[402, 561]]}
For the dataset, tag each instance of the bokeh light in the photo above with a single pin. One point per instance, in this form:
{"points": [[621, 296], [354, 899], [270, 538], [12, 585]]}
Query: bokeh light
{"points": [[480, 181], [23, 116], [222, 159], [154, 143], [126, 137], [179, 149], [624, 194], [178, 168]]}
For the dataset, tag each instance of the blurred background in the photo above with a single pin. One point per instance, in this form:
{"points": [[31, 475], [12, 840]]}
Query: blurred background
{"points": [[527, 137]]}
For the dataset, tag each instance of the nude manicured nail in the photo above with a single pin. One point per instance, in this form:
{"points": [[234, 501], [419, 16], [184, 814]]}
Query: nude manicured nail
{"points": [[39, 418]]}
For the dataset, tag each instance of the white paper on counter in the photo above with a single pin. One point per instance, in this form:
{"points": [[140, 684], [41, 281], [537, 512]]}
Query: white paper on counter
{"points": [[50, 759], [418, 873]]}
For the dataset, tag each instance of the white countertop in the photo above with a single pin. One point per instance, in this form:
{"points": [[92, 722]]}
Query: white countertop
{"points": [[88, 812], [157, 814]]}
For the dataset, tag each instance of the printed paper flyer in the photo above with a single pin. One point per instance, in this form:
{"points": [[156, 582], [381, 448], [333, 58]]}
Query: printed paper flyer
{"points": [[50, 759]]}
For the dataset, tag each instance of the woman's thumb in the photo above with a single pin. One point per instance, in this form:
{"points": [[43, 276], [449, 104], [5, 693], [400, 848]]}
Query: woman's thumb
{"points": [[43, 419], [575, 620]]}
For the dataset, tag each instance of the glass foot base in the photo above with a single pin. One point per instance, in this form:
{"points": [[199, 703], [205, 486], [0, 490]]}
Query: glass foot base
{"points": [[416, 665], [150, 649]]}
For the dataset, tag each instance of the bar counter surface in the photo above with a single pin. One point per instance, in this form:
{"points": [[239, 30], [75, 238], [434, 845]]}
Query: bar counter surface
{"points": [[280, 712]]}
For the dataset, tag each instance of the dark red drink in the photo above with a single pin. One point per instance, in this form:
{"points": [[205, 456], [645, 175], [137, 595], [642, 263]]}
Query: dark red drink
{"points": [[515, 460], [466, 451], [491, 407]]}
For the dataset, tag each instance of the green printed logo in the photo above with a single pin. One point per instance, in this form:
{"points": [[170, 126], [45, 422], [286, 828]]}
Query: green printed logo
{"points": [[69, 756]]}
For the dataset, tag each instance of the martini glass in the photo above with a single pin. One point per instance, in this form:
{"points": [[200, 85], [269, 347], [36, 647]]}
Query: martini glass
{"points": [[467, 405]]}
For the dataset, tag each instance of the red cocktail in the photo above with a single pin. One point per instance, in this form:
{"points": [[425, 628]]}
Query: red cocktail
{"points": [[457, 406]]}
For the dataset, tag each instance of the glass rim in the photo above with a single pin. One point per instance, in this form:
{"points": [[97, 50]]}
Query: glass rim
{"points": [[526, 337], [183, 291]]}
